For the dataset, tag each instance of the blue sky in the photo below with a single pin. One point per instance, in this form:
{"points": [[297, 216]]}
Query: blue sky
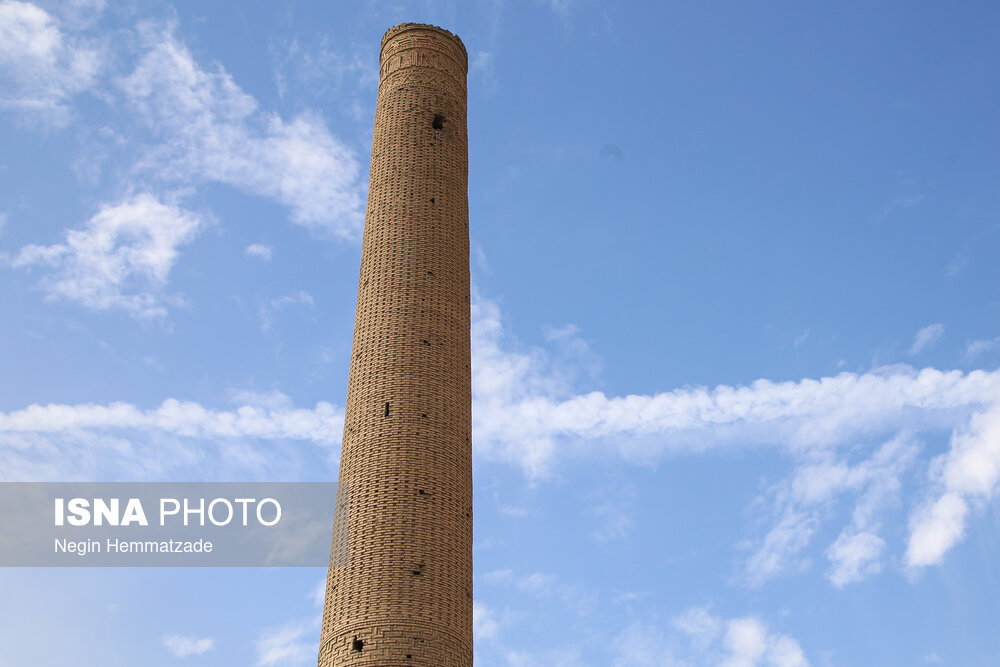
{"points": [[735, 323]]}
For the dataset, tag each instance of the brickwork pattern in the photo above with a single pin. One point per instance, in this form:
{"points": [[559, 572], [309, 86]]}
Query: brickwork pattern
{"points": [[405, 596]]}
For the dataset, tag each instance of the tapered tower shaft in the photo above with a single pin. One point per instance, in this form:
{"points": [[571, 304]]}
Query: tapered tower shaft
{"points": [[404, 596]]}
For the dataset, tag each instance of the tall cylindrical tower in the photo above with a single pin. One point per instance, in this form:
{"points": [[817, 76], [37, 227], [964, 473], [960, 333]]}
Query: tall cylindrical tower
{"points": [[404, 594]]}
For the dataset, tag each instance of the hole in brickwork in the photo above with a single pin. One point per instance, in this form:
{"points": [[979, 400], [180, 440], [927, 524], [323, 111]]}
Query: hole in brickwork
{"points": [[432, 200], [357, 645], [426, 342], [408, 656], [421, 492], [386, 409], [438, 122]]}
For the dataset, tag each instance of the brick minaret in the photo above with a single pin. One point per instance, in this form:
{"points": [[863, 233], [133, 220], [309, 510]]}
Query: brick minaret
{"points": [[404, 594]]}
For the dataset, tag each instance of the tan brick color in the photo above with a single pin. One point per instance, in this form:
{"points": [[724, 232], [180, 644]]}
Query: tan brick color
{"points": [[405, 595]]}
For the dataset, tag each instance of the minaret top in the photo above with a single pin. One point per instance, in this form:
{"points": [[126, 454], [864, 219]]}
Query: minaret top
{"points": [[404, 27]]}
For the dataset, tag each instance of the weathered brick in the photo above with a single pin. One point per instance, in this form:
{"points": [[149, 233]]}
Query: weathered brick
{"points": [[404, 596]]}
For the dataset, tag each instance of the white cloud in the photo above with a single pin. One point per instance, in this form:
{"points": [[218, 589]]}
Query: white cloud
{"points": [[182, 418], [483, 63], [643, 645], [41, 68], [120, 440], [746, 642], [484, 621], [908, 201], [614, 513], [780, 546], [700, 627], [272, 307], [749, 643], [803, 503], [551, 658], [926, 337], [317, 69], [784, 651], [78, 14], [968, 474], [561, 8], [972, 465], [734, 642], [258, 251], [525, 414], [211, 130], [201, 127], [295, 642], [854, 556], [935, 529], [182, 647], [291, 644], [120, 259], [318, 594], [694, 637], [979, 347], [545, 588]]}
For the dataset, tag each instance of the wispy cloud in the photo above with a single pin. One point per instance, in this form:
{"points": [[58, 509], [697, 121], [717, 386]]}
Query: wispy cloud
{"points": [[318, 594], [484, 621], [613, 511], [561, 8], [258, 251], [291, 644], [978, 348], [802, 502], [546, 588], [699, 637], [210, 130], [295, 642], [527, 414], [182, 647], [562, 657], [316, 67], [41, 68], [483, 65], [120, 440], [968, 474], [854, 556], [199, 127], [120, 259], [783, 542], [926, 337], [272, 307], [908, 201]]}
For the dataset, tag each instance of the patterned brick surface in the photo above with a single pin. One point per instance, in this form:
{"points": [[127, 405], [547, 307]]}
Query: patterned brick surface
{"points": [[405, 595]]}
